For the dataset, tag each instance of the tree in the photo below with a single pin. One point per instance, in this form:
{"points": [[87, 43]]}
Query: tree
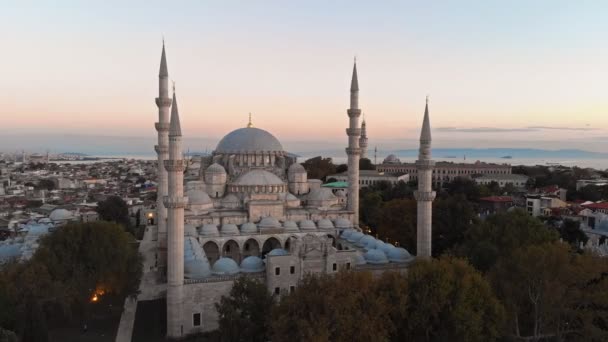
{"points": [[45, 184], [448, 300], [571, 232], [366, 164], [114, 209], [344, 307], [319, 168], [244, 314], [464, 186], [551, 293], [452, 217], [500, 234], [397, 223]]}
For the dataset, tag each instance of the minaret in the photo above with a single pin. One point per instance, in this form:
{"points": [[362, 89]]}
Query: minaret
{"points": [[425, 194], [353, 151], [163, 101], [363, 139], [175, 203]]}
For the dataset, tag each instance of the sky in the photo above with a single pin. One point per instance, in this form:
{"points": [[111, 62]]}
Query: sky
{"points": [[498, 73]]}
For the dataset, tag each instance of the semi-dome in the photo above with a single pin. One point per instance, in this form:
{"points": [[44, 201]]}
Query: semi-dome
{"points": [[231, 201], [307, 225], [60, 215], [365, 240], [354, 237], [296, 168], [342, 223], [399, 255], [291, 227], [198, 197], [321, 194], [252, 264], [277, 252], [325, 224], [248, 139], [375, 257], [340, 193], [269, 222], [209, 230], [215, 168], [225, 266], [229, 229], [249, 228], [370, 244], [259, 177]]}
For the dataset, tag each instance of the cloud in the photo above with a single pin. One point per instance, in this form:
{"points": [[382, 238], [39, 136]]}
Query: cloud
{"points": [[563, 128], [505, 130], [483, 129]]}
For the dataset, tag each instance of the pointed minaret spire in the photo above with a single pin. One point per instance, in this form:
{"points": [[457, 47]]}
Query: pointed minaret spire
{"points": [[425, 134], [354, 83], [175, 128], [163, 72]]}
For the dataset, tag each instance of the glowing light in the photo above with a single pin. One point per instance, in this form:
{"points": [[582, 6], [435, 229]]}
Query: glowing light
{"points": [[150, 215], [94, 298]]}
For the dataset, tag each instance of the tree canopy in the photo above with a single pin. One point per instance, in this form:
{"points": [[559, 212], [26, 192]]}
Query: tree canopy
{"points": [[114, 209]]}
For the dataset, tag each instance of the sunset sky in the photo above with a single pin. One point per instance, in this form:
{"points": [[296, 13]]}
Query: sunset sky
{"points": [[499, 73]]}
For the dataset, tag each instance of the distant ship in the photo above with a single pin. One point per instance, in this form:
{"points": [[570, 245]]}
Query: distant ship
{"points": [[450, 157], [507, 157]]}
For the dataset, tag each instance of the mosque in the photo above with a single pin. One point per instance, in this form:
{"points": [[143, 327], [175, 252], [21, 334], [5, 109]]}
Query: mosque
{"points": [[251, 211]]}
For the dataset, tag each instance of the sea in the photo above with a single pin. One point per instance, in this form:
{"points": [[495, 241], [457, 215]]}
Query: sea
{"points": [[595, 163]]}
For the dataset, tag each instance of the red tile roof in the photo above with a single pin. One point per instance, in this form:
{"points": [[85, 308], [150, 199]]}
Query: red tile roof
{"points": [[602, 205], [497, 199]]}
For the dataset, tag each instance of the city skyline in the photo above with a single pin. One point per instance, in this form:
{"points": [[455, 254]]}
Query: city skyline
{"points": [[512, 76]]}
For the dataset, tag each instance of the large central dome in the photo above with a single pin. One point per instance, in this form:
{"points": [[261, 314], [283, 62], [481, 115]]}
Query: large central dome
{"points": [[248, 139]]}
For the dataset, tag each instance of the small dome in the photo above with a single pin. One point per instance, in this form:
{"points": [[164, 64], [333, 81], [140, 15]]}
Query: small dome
{"points": [[354, 237], [296, 168], [365, 240], [225, 266], [291, 227], [248, 139], [190, 230], [391, 159], [249, 228], [342, 223], [291, 197], [198, 197], [307, 225], [346, 233], [61, 215], [209, 230], [340, 193], [259, 177], [386, 247], [229, 229], [269, 222], [277, 252], [215, 168], [320, 194], [371, 244], [252, 264], [375, 257], [231, 201], [399, 255], [196, 265], [325, 224], [360, 260]]}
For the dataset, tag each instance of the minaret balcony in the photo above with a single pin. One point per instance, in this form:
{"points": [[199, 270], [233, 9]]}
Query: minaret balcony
{"points": [[353, 112], [353, 151], [175, 202], [353, 132], [424, 195], [161, 149], [425, 164], [161, 126], [175, 165], [163, 101]]}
